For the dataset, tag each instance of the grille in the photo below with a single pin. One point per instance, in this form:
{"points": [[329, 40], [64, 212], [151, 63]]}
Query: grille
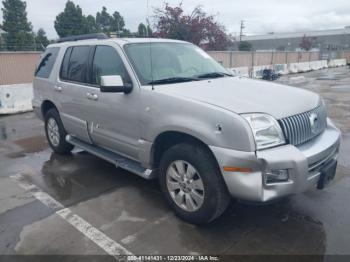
{"points": [[303, 127]]}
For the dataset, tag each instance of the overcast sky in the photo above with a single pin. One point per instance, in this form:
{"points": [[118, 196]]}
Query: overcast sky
{"points": [[260, 16]]}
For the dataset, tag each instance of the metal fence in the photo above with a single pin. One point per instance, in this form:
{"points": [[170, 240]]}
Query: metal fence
{"points": [[26, 48], [231, 59]]}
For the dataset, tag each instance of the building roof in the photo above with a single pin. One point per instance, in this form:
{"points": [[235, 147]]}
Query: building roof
{"points": [[342, 31]]}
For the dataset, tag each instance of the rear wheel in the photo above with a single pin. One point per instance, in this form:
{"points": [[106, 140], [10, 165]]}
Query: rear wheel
{"points": [[192, 183], [55, 133]]}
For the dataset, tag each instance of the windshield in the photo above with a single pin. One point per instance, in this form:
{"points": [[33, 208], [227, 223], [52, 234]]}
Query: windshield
{"points": [[172, 62]]}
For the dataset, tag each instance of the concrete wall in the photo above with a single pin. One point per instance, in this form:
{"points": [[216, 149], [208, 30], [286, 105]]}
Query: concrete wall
{"points": [[17, 67], [283, 69], [282, 62], [16, 98], [251, 59], [346, 55], [241, 71], [337, 62], [16, 76]]}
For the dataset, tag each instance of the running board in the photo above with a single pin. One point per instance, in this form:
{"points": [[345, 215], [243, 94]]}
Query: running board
{"points": [[116, 159]]}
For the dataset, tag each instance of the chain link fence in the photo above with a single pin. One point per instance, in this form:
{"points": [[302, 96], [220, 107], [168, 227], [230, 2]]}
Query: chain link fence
{"points": [[14, 48]]}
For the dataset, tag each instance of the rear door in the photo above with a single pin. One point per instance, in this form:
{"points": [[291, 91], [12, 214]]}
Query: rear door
{"points": [[42, 82], [72, 89]]}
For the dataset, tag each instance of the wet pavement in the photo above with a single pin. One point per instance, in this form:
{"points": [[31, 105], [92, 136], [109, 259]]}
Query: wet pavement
{"points": [[132, 212]]}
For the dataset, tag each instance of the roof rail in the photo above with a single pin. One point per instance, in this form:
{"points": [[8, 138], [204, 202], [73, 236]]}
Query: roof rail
{"points": [[82, 37]]}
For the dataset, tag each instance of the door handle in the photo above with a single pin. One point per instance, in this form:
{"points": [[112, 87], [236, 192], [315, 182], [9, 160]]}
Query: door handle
{"points": [[58, 88]]}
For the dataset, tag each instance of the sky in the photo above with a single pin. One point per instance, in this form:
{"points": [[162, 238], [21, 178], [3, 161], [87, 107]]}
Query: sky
{"points": [[260, 16]]}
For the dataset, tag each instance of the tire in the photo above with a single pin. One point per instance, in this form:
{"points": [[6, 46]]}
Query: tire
{"points": [[194, 159], [56, 134]]}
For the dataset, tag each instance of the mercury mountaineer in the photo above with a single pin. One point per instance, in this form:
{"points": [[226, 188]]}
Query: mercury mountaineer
{"points": [[165, 109]]}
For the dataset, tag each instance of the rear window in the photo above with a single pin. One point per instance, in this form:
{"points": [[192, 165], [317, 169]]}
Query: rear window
{"points": [[75, 64], [65, 63], [47, 62]]}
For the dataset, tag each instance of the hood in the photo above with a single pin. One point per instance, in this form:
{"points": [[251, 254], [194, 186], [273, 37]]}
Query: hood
{"points": [[244, 95]]}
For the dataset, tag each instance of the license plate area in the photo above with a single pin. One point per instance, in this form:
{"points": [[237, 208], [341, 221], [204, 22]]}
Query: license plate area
{"points": [[327, 174]]}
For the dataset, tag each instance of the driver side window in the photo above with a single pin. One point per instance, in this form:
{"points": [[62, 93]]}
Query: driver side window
{"points": [[107, 62]]}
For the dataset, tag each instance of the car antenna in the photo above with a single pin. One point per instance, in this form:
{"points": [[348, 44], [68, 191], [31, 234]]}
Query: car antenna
{"points": [[150, 42]]}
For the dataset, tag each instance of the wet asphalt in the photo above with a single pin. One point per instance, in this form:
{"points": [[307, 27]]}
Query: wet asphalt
{"points": [[133, 213]]}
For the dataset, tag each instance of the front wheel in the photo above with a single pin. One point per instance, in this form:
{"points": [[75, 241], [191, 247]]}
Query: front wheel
{"points": [[56, 134], [192, 183]]}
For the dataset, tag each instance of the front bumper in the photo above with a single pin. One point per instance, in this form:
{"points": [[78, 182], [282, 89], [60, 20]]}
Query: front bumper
{"points": [[303, 163]]}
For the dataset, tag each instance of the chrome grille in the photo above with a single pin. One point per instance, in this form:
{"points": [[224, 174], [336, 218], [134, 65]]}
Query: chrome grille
{"points": [[303, 127]]}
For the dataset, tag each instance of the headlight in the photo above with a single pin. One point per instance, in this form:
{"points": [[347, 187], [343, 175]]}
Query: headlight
{"points": [[266, 130]]}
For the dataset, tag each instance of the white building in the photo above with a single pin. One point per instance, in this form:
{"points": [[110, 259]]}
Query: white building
{"points": [[335, 39]]}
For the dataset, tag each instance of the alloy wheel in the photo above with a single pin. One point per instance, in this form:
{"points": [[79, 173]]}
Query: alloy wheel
{"points": [[185, 185]]}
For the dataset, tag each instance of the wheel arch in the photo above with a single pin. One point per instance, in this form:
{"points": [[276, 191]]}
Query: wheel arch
{"points": [[46, 106], [167, 139]]}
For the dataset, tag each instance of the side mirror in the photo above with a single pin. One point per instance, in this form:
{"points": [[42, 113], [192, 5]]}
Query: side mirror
{"points": [[114, 84]]}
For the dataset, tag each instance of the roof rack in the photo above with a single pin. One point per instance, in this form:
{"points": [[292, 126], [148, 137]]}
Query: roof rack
{"points": [[82, 37]]}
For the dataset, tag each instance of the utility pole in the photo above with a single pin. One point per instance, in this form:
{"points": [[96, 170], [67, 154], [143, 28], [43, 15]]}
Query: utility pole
{"points": [[241, 31]]}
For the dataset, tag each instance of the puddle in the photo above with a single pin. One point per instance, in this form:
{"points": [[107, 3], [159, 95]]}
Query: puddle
{"points": [[32, 144], [73, 178]]}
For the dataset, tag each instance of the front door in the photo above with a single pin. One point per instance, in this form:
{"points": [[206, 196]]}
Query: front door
{"points": [[114, 116]]}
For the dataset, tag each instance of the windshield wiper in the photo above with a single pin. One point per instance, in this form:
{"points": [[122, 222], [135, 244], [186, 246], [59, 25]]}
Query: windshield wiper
{"points": [[213, 75], [171, 80]]}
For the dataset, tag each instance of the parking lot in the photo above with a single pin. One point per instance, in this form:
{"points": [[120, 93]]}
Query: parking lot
{"points": [[81, 205]]}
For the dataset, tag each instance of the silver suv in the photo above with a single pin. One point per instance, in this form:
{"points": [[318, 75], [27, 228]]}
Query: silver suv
{"points": [[164, 108]]}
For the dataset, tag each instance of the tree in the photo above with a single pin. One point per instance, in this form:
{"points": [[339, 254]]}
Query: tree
{"points": [[150, 31], [245, 46], [198, 27], [19, 35], [104, 21], [91, 26], [2, 47], [41, 38], [306, 42], [71, 21], [142, 30], [108, 24], [117, 23]]}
